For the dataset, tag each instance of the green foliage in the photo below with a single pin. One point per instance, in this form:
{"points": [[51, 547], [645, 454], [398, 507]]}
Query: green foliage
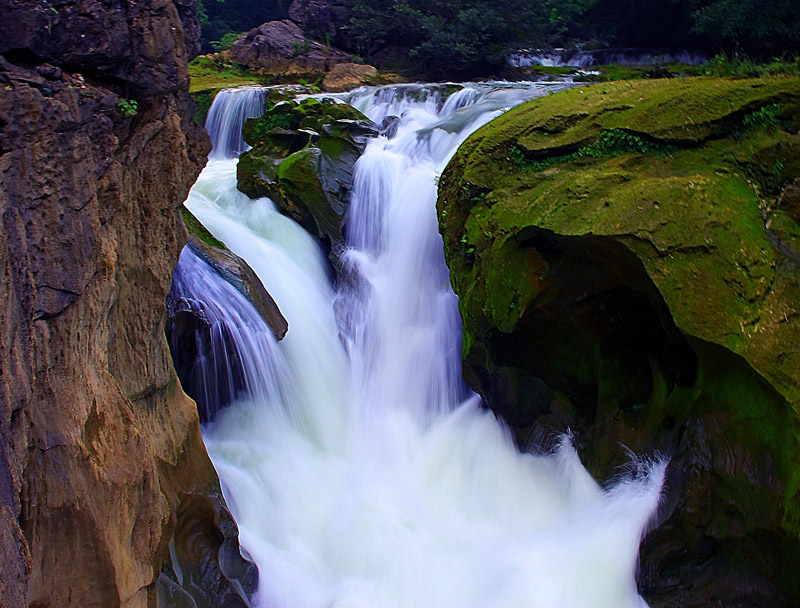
{"points": [[455, 39], [749, 23], [128, 107], [742, 66], [221, 18], [612, 142], [765, 116], [226, 42], [300, 48], [202, 102], [615, 141]]}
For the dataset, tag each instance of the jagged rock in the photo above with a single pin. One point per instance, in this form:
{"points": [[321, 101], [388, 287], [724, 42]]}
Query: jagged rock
{"points": [[238, 273], [346, 76], [389, 126], [281, 47], [303, 158], [100, 450], [616, 278]]}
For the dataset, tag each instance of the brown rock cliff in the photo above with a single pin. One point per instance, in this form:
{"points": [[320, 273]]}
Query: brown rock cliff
{"points": [[100, 451]]}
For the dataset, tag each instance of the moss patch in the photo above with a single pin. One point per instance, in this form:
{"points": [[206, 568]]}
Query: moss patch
{"points": [[302, 158], [682, 172], [210, 73], [194, 226], [627, 261]]}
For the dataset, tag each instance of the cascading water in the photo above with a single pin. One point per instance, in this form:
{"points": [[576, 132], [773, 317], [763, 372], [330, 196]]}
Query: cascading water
{"points": [[368, 476]]}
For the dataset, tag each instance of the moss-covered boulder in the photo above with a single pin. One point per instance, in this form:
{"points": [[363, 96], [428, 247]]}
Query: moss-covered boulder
{"points": [[303, 157], [626, 261]]}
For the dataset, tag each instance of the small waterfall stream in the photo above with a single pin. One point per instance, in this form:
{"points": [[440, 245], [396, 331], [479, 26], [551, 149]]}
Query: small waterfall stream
{"points": [[367, 475]]}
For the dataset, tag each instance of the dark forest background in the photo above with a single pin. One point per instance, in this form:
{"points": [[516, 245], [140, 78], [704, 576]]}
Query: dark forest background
{"points": [[469, 37]]}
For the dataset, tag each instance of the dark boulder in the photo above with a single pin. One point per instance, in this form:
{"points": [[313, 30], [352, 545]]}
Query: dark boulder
{"points": [[238, 273]]}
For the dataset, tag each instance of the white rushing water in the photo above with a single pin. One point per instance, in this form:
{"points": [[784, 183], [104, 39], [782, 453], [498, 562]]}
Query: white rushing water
{"points": [[370, 477]]}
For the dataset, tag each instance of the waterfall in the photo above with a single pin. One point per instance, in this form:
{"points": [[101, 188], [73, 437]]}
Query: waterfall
{"points": [[222, 348], [368, 475], [583, 59], [226, 117]]}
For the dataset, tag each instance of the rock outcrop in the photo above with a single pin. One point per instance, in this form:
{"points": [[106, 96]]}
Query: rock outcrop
{"points": [[624, 260], [346, 76], [280, 47], [303, 158], [101, 459]]}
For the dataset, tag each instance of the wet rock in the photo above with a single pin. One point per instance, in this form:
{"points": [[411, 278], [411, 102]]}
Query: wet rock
{"points": [[616, 278], [280, 47], [389, 126], [238, 273], [303, 158], [346, 76]]}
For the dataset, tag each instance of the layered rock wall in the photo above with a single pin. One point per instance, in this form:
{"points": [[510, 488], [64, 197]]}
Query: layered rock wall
{"points": [[100, 450]]}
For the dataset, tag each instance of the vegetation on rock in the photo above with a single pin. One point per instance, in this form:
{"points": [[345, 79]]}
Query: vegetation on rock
{"points": [[627, 268], [302, 158]]}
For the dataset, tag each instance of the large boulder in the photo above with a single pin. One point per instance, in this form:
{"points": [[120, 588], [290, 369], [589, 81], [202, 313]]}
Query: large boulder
{"points": [[207, 354], [625, 270], [346, 76], [303, 158], [280, 47], [102, 465]]}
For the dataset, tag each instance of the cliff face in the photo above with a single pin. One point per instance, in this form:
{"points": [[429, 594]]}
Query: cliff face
{"points": [[100, 451]]}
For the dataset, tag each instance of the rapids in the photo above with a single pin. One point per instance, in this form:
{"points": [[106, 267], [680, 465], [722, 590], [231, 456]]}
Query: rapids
{"points": [[366, 474]]}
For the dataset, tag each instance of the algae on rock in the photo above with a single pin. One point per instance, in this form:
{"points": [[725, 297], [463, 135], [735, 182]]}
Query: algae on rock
{"points": [[303, 156], [625, 269]]}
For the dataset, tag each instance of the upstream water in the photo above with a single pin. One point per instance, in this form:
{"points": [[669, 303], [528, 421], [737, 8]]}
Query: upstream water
{"points": [[366, 474]]}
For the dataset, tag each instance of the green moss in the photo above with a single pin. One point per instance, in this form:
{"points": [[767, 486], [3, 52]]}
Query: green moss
{"points": [[212, 73], [202, 101], [195, 227], [621, 243], [623, 161], [302, 157]]}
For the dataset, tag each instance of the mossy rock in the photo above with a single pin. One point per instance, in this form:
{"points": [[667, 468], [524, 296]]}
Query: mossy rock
{"points": [[303, 157], [610, 246]]}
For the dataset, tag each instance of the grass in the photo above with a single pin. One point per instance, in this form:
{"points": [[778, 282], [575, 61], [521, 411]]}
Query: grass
{"points": [[212, 74]]}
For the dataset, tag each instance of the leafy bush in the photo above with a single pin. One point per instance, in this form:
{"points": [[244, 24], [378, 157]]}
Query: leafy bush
{"points": [[742, 66], [226, 42], [128, 107]]}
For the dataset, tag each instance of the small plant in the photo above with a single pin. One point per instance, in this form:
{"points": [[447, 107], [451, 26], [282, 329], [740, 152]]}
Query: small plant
{"points": [[226, 42], [765, 116], [615, 141], [301, 49], [128, 107]]}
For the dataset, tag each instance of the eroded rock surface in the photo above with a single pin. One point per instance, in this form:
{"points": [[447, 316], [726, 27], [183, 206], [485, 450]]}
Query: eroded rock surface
{"points": [[622, 256], [346, 76], [100, 451]]}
